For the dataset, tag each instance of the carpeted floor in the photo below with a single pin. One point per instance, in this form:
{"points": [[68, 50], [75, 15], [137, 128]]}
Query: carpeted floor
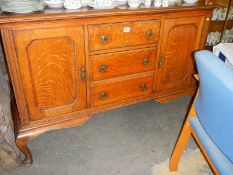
{"points": [[125, 141]]}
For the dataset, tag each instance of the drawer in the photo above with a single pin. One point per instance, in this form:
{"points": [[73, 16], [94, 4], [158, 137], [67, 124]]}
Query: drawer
{"points": [[116, 35], [123, 63], [117, 91]]}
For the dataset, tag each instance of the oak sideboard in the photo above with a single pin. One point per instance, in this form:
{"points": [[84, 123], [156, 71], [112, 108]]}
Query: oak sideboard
{"points": [[65, 66]]}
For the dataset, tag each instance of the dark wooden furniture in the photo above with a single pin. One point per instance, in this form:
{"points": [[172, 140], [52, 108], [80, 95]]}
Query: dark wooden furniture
{"points": [[66, 66]]}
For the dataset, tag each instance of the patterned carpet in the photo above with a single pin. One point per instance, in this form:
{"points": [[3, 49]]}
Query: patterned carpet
{"points": [[191, 163]]}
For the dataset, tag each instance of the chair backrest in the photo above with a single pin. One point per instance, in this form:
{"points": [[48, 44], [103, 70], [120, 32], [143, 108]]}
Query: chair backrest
{"points": [[214, 104]]}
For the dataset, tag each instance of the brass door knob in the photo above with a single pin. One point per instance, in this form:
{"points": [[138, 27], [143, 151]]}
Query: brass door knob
{"points": [[143, 86], [104, 39], [146, 61], [150, 34], [103, 68], [103, 95]]}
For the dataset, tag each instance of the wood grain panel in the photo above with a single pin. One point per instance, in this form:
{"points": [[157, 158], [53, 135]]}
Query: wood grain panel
{"points": [[53, 72], [118, 91], [177, 56], [49, 63], [123, 34], [123, 63], [180, 38]]}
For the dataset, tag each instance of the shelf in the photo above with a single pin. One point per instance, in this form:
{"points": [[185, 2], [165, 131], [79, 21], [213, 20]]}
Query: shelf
{"points": [[229, 24], [216, 26], [219, 25], [210, 48], [220, 21]]}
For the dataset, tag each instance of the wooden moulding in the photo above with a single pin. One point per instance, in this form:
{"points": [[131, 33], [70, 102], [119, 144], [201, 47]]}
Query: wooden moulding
{"points": [[91, 13]]}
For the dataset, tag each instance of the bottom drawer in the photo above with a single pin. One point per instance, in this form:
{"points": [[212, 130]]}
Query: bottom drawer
{"points": [[113, 92]]}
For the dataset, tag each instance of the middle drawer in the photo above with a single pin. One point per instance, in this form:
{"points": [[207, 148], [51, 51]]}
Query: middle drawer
{"points": [[123, 63]]}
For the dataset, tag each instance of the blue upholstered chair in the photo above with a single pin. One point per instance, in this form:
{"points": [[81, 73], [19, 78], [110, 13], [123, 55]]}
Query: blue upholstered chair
{"points": [[210, 118]]}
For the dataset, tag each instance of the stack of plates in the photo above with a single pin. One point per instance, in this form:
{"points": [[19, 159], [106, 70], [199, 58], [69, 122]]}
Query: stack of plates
{"points": [[23, 6]]}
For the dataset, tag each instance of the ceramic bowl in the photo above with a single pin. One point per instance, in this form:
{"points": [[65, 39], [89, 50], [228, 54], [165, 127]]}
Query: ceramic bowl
{"points": [[72, 4]]}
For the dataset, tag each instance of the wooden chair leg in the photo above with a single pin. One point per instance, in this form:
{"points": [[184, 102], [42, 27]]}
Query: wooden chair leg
{"points": [[22, 144], [182, 141]]}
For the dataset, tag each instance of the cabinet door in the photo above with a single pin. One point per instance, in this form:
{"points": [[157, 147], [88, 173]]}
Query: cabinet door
{"points": [[181, 36], [49, 62]]}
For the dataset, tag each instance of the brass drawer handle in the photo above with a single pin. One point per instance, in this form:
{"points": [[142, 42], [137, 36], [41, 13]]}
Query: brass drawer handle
{"points": [[103, 95], [150, 34], [103, 68], [143, 86], [104, 39], [146, 61]]}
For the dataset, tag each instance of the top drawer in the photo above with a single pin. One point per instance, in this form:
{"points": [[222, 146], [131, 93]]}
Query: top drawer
{"points": [[116, 35]]}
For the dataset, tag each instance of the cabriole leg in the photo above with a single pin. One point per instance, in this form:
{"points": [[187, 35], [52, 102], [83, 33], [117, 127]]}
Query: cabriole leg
{"points": [[22, 144]]}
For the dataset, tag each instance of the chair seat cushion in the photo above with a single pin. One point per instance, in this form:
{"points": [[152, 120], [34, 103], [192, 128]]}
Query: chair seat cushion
{"points": [[221, 162]]}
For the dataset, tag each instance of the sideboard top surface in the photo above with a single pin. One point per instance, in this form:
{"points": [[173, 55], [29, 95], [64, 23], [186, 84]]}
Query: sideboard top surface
{"points": [[55, 14]]}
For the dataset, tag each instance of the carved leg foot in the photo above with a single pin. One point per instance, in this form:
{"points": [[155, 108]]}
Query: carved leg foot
{"points": [[23, 137], [22, 144]]}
